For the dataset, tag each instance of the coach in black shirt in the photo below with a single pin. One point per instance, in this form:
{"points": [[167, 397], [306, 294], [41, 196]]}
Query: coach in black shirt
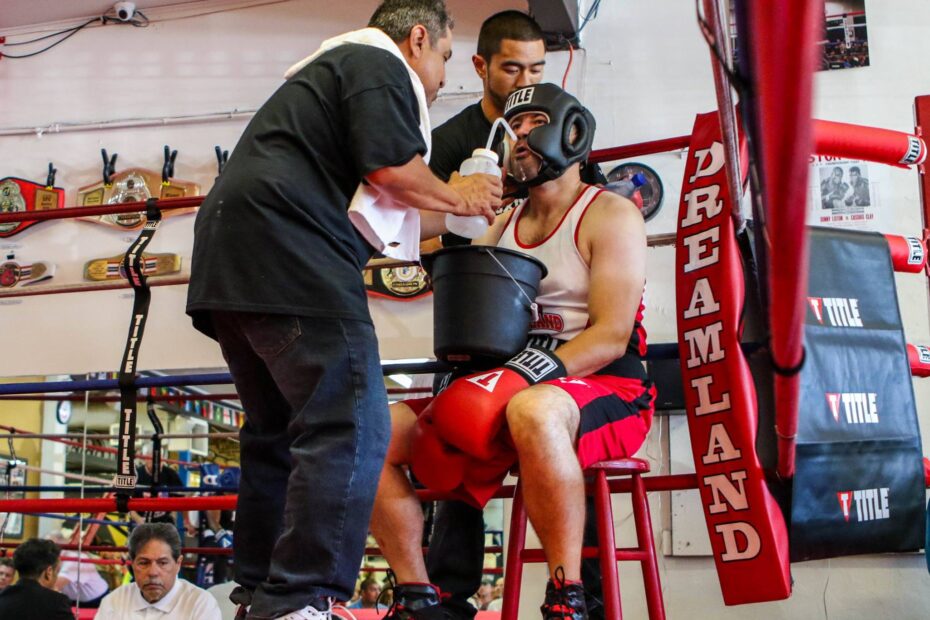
{"points": [[276, 278], [33, 597]]}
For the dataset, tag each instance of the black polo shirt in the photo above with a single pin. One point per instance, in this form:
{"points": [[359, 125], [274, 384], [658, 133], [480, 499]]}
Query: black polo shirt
{"points": [[273, 236]]}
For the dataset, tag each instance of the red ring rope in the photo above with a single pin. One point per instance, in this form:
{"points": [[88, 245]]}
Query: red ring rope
{"points": [[228, 502], [140, 504], [126, 207], [123, 549]]}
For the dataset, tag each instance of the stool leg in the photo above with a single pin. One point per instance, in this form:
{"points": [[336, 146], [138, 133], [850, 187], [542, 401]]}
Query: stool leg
{"points": [[513, 571], [646, 542], [610, 578]]}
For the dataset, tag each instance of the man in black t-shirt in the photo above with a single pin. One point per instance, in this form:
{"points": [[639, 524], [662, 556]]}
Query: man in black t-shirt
{"points": [[511, 54], [276, 279]]}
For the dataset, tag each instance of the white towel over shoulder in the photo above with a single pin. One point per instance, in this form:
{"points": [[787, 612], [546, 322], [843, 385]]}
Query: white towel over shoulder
{"points": [[393, 229]]}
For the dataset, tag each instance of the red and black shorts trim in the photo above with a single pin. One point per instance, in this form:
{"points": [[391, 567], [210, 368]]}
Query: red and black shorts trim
{"points": [[616, 415]]}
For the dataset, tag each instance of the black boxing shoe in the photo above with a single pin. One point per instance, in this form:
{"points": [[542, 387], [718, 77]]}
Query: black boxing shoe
{"points": [[418, 601], [242, 598], [458, 608], [564, 601]]}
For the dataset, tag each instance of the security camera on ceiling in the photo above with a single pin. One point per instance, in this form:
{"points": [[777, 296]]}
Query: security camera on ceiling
{"points": [[125, 10]]}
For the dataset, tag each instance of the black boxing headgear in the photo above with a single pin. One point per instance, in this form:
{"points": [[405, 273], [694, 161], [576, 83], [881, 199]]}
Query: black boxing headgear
{"points": [[553, 142]]}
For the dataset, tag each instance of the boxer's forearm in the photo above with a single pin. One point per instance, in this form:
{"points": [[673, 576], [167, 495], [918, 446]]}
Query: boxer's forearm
{"points": [[592, 349]]}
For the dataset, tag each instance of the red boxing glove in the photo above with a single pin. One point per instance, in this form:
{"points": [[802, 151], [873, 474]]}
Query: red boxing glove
{"points": [[484, 478], [436, 465], [469, 413]]}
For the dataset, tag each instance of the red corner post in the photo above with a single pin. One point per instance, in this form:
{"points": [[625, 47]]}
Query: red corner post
{"points": [[922, 120], [783, 35]]}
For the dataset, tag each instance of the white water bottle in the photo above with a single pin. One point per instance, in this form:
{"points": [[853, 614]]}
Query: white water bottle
{"points": [[482, 161]]}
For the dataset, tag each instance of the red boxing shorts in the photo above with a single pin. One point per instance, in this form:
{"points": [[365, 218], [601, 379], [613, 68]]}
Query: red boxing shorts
{"points": [[616, 414]]}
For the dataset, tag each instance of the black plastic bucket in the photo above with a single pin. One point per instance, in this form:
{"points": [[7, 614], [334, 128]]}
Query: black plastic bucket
{"points": [[481, 302]]}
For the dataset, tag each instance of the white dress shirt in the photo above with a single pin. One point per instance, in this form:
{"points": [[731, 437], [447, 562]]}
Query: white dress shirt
{"points": [[184, 601]]}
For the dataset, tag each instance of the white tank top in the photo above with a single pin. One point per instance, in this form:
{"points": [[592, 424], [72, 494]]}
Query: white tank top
{"points": [[563, 293]]}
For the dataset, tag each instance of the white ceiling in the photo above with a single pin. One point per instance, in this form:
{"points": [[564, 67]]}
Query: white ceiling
{"points": [[18, 13]]}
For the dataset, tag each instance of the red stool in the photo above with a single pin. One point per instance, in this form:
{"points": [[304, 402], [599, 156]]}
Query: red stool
{"points": [[518, 554]]}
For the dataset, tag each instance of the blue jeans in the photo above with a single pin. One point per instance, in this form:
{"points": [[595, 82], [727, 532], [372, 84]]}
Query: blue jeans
{"points": [[312, 447]]}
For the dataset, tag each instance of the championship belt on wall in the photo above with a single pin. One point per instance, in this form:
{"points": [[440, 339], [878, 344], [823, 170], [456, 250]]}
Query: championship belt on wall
{"points": [[403, 283], [101, 269], [20, 195], [134, 185], [13, 273], [400, 283]]}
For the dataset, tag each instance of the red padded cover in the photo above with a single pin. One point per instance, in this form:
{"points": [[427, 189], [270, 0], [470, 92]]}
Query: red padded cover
{"points": [[746, 527], [908, 254], [885, 146]]}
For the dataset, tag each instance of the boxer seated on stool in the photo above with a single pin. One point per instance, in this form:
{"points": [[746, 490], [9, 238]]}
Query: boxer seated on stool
{"points": [[576, 395]]}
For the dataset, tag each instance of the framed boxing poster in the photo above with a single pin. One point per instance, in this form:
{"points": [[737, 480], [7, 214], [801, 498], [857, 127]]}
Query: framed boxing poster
{"points": [[847, 193], [12, 522]]}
